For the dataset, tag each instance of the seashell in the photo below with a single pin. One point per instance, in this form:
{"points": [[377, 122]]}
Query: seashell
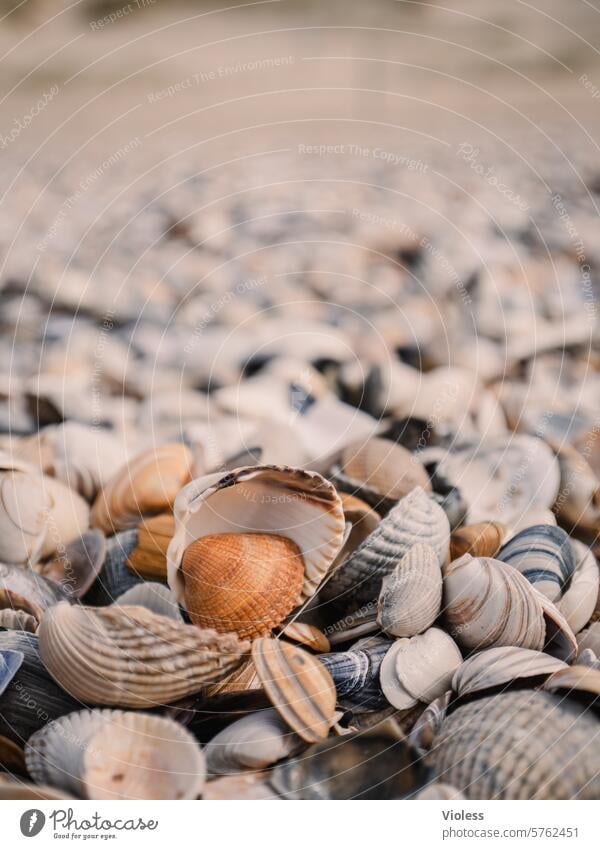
{"points": [[590, 638], [419, 669], [576, 681], [115, 577], [501, 666], [536, 516], [155, 597], [578, 501], [416, 518], [146, 486], [24, 511], [12, 758], [578, 602], [22, 790], [411, 596], [256, 741], [10, 663], [246, 583], [428, 724], [502, 478], [380, 472], [306, 635], [23, 589], [481, 540], [149, 558], [544, 556], [439, 792], [519, 745], [559, 639], [137, 756], [588, 658], [32, 698], [453, 505], [355, 674], [18, 620], [68, 516], [77, 566], [488, 603], [359, 624], [298, 685], [301, 506], [376, 764], [131, 657], [363, 521], [246, 786]]}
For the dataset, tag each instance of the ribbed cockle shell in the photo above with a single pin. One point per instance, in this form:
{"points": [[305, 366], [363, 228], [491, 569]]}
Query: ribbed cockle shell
{"points": [[411, 595]]}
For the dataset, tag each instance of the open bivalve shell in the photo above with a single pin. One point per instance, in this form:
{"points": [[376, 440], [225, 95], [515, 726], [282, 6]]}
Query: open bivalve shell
{"points": [[146, 486], [501, 666], [251, 544], [411, 596], [131, 657], [419, 669], [542, 554], [255, 742], [111, 754], [415, 519]]}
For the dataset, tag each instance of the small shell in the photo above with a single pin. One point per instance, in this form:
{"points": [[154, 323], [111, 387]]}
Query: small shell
{"points": [[544, 556], [488, 603], [305, 635], [155, 597], [77, 566], [524, 744], [500, 666], [575, 679], [380, 472], [363, 521], [578, 501], [416, 518], [115, 577], [131, 657], [356, 675], [149, 558], [393, 689], [359, 624], [411, 596], [439, 792], [292, 503], [18, 620], [23, 589], [481, 540], [256, 741], [428, 724], [578, 602], [299, 687], [422, 666], [10, 663], [146, 486]]}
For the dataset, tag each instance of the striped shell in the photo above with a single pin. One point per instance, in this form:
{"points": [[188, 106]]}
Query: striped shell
{"points": [[355, 674], [419, 669], [146, 486], [131, 657], [501, 666], [411, 596], [299, 687], [544, 556], [299, 505], [488, 603], [519, 745], [579, 601], [481, 540], [415, 519], [256, 741]]}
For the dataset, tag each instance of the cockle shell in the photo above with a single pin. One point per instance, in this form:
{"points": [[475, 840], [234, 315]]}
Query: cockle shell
{"points": [[247, 583], [519, 745], [481, 540], [146, 486], [131, 657], [411, 596], [256, 741], [149, 557], [380, 472], [419, 669], [298, 685], [24, 509], [578, 602], [415, 519], [293, 503], [501, 666], [355, 674], [488, 603], [544, 556], [578, 501]]}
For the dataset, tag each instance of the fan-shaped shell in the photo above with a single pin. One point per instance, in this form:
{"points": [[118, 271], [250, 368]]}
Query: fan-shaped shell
{"points": [[415, 519], [146, 486], [256, 741], [501, 666], [578, 602], [247, 583], [131, 657], [544, 556], [380, 472], [519, 745], [292, 503], [149, 557], [298, 685], [411, 596], [480, 540], [488, 603]]}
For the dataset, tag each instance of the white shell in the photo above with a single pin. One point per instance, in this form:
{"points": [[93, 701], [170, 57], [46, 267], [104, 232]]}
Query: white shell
{"points": [[84, 457], [270, 499], [256, 741], [68, 518], [425, 665], [396, 694], [411, 596], [590, 638], [24, 511], [154, 596], [497, 666], [579, 601]]}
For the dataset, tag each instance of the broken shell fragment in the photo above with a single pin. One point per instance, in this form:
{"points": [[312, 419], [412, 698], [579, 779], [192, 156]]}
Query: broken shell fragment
{"points": [[411, 596]]}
